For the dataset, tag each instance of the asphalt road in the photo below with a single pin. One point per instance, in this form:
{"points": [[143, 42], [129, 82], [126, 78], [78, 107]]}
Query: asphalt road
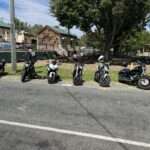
{"points": [[116, 113]]}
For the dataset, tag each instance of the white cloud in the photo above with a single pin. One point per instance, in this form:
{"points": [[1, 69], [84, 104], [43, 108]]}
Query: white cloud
{"points": [[4, 14], [77, 32], [33, 12]]}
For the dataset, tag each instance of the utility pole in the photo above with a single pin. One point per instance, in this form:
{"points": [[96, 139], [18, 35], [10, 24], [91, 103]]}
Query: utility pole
{"points": [[12, 34]]}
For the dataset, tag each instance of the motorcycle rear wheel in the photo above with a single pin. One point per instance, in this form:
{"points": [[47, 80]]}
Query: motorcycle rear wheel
{"points": [[96, 76], [23, 76]]}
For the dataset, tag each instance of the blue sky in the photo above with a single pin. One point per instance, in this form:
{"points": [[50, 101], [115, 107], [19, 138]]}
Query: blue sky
{"points": [[33, 12]]}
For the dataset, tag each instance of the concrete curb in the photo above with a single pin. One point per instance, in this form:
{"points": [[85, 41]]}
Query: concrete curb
{"points": [[68, 83]]}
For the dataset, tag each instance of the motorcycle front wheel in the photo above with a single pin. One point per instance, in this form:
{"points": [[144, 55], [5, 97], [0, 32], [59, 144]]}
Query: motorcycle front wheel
{"points": [[144, 83], [77, 81], [52, 79], [105, 82]]}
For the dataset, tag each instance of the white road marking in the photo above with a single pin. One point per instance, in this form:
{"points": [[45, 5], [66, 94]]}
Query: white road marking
{"points": [[75, 133], [67, 85]]}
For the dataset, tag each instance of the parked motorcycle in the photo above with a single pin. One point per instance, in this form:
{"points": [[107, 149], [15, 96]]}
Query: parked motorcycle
{"points": [[102, 75], [2, 66], [28, 72], [77, 74], [135, 76], [52, 74]]}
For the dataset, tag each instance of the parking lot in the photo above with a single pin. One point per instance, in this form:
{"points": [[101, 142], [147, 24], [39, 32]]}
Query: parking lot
{"points": [[39, 116]]}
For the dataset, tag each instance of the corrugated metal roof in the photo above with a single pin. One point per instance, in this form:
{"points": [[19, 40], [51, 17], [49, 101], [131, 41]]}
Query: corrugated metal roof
{"points": [[58, 30], [61, 31], [3, 24]]}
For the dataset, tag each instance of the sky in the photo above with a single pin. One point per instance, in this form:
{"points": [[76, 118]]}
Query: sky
{"points": [[32, 12]]}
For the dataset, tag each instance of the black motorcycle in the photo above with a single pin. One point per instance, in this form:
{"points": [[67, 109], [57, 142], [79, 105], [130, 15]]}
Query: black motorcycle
{"points": [[102, 75], [77, 75], [2, 67], [136, 76], [28, 72]]}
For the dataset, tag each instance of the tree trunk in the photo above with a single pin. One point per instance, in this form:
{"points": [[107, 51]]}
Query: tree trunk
{"points": [[107, 56], [116, 52], [108, 46]]}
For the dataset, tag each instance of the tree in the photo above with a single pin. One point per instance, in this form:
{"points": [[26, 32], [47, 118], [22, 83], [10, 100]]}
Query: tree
{"points": [[35, 29], [92, 39], [20, 25], [115, 19], [137, 42]]}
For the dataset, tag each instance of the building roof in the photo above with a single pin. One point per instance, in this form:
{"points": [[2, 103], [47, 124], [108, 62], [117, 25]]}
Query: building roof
{"points": [[58, 30], [4, 25]]}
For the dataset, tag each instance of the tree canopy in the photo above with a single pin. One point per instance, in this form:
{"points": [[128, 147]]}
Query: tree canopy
{"points": [[137, 42], [92, 39], [115, 19], [20, 25]]}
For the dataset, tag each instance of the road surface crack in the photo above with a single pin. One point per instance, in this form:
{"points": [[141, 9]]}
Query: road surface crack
{"points": [[93, 117]]}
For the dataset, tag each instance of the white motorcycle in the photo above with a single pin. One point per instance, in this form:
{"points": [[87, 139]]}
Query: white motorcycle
{"points": [[52, 73], [102, 75]]}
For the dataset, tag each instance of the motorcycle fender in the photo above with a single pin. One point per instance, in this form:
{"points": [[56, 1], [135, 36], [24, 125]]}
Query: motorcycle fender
{"points": [[105, 75], [51, 74]]}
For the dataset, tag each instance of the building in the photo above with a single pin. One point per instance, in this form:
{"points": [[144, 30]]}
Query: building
{"points": [[25, 39], [4, 31], [56, 39], [145, 51]]}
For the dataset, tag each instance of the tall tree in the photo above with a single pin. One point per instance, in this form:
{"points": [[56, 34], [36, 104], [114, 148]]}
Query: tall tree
{"points": [[92, 39], [36, 28], [20, 25], [137, 42], [114, 18]]}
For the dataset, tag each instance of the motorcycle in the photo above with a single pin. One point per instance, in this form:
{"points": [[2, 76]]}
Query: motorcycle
{"points": [[102, 75], [2, 67], [52, 74], [28, 72], [77, 75], [135, 76]]}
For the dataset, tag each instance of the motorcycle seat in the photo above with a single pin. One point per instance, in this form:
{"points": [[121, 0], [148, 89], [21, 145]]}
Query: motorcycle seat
{"points": [[125, 70]]}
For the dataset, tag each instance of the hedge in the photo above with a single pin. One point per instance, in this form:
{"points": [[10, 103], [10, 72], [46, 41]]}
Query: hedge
{"points": [[20, 55]]}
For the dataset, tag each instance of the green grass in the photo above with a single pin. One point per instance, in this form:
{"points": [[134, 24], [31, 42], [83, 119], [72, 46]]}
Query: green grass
{"points": [[65, 71], [114, 75], [66, 74], [9, 70]]}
